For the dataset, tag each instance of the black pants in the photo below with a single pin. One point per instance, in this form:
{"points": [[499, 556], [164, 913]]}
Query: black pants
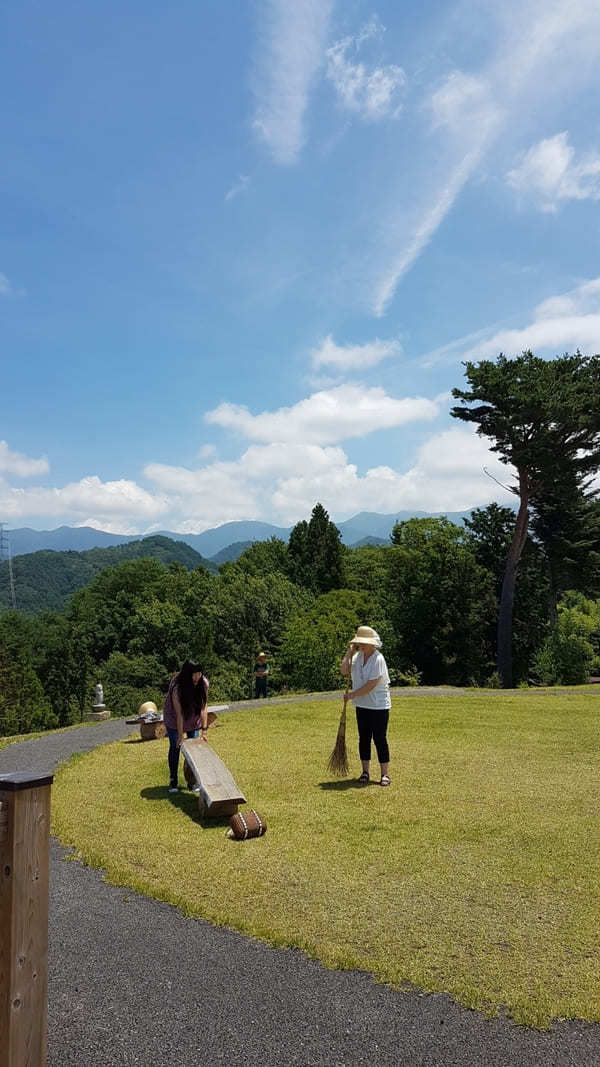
{"points": [[260, 686], [372, 725], [173, 756]]}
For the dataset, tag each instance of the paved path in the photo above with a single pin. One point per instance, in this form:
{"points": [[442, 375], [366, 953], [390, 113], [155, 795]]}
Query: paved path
{"points": [[133, 982]]}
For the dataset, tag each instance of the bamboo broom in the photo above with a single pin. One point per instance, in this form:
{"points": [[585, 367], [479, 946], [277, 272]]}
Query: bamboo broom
{"points": [[338, 761]]}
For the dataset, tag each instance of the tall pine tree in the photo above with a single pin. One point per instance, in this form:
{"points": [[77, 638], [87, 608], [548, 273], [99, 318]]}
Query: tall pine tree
{"points": [[543, 419]]}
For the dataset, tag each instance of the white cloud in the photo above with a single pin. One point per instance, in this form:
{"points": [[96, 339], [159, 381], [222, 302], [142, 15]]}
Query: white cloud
{"points": [[565, 322], [550, 173], [121, 526], [282, 482], [326, 417], [292, 51], [105, 501], [448, 475], [278, 481], [465, 104], [372, 93], [353, 357], [18, 464], [201, 499]]}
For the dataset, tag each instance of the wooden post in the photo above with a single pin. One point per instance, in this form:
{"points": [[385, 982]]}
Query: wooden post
{"points": [[24, 867]]}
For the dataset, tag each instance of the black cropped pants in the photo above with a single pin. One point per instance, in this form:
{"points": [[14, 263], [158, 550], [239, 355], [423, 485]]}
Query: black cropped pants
{"points": [[372, 726]]}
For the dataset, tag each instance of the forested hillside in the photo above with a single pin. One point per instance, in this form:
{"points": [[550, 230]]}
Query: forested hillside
{"points": [[44, 580], [432, 594]]}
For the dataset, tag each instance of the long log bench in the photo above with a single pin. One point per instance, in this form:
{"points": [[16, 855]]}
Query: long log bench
{"points": [[218, 793]]}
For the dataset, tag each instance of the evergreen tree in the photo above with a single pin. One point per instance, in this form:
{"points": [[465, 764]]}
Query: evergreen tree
{"points": [[543, 418], [490, 532], [316, 553]]}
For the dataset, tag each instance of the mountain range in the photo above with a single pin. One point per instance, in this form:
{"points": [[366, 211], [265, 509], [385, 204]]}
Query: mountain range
{"points": [[222, 541]]}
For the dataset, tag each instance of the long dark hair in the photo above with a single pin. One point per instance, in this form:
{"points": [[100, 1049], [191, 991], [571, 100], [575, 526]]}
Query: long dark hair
{"points": [[192, 697]]}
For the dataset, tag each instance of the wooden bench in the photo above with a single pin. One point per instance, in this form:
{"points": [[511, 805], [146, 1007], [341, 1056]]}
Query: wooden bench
{"points": [[218, 794]]}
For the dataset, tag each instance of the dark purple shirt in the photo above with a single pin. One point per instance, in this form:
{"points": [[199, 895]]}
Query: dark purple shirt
{"points": [[192, 720]]}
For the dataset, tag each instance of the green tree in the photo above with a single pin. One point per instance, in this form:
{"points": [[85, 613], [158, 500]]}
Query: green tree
{"points": [[129, 680], [248, 614], [54, 658], [315, 639], [566, 522], [23, 704], [441, 600], [568, 652], [490, 532], [368, 568], [262, 558], [315, 553], [543, 418], [298, 555]]}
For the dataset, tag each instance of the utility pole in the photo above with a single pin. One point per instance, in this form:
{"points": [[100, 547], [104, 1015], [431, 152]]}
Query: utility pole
{"points": [[5, 557]]}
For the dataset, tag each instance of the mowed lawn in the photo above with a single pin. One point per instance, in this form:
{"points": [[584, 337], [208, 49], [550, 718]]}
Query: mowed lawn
{"points": [[477, 872]]}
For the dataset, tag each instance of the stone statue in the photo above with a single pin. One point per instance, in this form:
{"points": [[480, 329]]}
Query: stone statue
{"points": [[98, 696]]}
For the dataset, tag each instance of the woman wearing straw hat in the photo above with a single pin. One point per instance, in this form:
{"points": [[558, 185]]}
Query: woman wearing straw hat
{"points": [[370, 695]]}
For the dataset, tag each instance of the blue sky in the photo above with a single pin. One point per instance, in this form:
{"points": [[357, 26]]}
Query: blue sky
{"points": [[245, 247]]}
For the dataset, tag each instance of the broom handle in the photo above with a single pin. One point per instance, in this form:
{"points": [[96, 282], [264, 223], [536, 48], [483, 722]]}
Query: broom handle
{"points": [[349, 676]]}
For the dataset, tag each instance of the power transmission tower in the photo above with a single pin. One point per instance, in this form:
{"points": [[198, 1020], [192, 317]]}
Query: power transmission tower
{"points": [[5, 556]]}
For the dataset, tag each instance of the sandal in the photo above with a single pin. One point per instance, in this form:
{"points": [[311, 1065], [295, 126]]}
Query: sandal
{"points": [[385, 780], [364, 779]]}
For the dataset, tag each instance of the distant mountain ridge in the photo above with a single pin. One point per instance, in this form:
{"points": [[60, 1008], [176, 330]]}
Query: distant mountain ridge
{"points": [[214, 542]]}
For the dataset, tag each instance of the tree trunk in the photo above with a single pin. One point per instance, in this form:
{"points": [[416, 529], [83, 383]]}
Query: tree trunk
{"points": [[507, 597]]}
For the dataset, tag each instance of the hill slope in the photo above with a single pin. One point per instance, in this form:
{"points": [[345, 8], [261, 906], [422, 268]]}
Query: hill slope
{"points": [[44, 580]]}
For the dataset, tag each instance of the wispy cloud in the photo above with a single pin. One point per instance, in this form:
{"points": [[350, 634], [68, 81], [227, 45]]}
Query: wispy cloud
{"points": [[326, 417], [374, 92], [565, 322], [207, 451], [238, 187], [470, 110], [424, 231], [292, 50], [6, 288], [550, 173], [353, 357], [454, 349]]}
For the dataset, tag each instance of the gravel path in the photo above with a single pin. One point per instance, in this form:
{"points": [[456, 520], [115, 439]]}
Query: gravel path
{"points": [[133, 982]]}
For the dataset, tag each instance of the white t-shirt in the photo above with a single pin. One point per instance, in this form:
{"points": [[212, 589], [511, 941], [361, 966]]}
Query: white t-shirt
{"points": [[365, 670]]}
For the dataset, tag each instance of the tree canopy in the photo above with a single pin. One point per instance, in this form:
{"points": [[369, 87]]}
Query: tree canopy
{"points": [[542, 418]]}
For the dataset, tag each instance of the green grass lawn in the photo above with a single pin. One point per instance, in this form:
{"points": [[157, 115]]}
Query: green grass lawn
{"points": [[476, 873]]}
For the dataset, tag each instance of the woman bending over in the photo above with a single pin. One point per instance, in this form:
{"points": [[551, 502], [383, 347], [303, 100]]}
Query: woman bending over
{"points": [[185, 712]]}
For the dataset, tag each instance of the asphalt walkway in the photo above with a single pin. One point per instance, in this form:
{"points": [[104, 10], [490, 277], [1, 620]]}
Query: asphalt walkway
{"points": [[133, 982]]}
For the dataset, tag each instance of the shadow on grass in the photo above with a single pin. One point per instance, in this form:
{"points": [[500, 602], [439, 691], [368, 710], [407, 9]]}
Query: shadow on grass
{"points": [[340, 785], [185, 801]]}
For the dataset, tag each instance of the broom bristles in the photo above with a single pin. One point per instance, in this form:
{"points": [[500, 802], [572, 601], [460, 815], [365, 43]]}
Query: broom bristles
{"points": [[338, 761]]}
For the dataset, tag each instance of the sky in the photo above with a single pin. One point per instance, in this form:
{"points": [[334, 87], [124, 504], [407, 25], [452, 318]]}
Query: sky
{"points": [[246, 247]]}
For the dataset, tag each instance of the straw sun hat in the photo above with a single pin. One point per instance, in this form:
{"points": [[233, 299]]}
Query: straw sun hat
{"points": [[365, 635]]}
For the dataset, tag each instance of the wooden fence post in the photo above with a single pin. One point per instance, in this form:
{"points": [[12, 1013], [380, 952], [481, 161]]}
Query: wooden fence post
{"points": [[24, 871]]}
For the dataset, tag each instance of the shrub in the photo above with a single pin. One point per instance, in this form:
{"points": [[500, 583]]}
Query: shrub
{"points": [[567, 655]]}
